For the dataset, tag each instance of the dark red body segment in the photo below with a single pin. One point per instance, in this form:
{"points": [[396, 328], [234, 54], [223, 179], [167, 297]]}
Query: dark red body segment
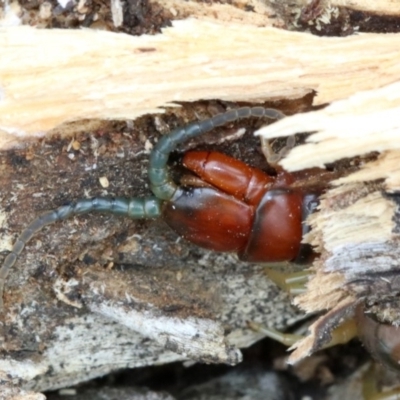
{"points": [[210, 219], [229, 175], [249, 212], [277, 228]]}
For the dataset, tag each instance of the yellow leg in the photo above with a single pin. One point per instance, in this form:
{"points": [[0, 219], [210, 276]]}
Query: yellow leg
{"points": [[287, 339], [291, 282], [294, 283], [342, 334], [370, 390]]}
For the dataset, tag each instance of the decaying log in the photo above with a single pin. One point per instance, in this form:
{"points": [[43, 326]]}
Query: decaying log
{"points": [[71, 312]]}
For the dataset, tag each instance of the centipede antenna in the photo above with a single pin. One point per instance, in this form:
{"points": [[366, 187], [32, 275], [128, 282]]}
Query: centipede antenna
{"points": [[149, 207], [161, 182]]}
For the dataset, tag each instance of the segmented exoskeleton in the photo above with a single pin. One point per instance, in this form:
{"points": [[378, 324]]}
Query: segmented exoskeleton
{"points": [[161, 184]]}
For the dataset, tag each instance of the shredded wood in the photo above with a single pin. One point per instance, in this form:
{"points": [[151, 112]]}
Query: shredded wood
{"points": [[262, 14], [367, 121], [381, 7], [96, 74]]}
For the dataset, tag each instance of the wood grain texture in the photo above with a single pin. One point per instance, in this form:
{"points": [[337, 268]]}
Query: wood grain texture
{"points": [[364, 122], [89, 74]]}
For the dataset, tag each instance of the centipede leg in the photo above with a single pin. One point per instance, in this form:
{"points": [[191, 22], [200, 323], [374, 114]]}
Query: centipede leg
{"points": [[342, 334]]}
